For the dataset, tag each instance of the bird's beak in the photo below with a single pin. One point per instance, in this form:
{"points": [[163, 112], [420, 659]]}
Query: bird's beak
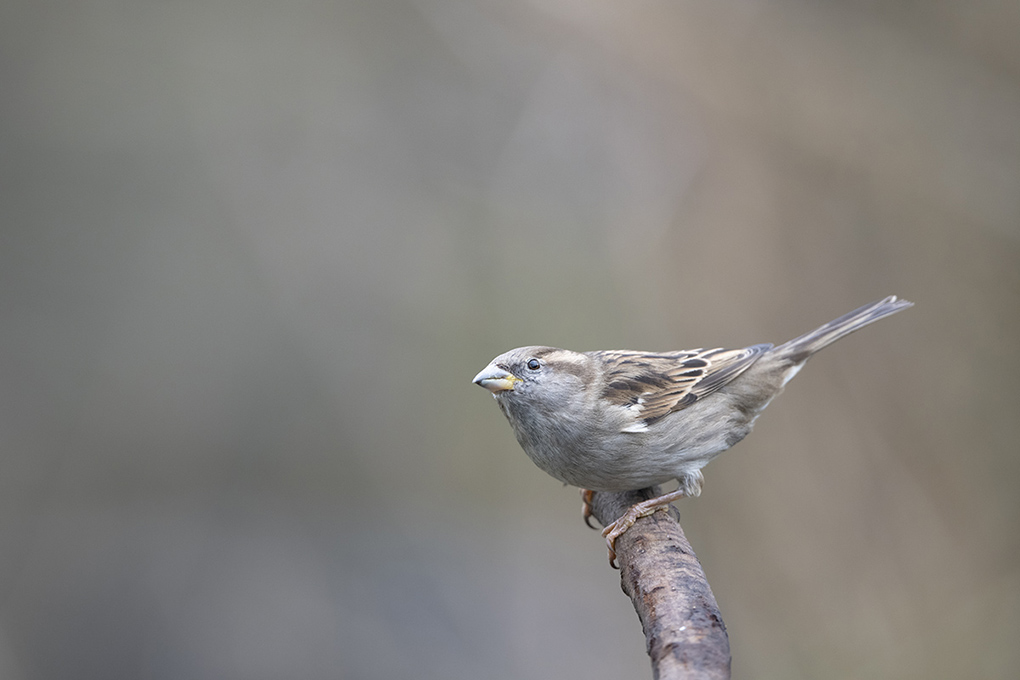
{"points": [[495, 379]]}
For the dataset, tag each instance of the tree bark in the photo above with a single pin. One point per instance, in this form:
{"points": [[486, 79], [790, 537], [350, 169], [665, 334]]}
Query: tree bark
{"points": [[685, 634]]}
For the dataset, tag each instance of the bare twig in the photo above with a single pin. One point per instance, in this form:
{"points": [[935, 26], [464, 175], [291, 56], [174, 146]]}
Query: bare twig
{"points": [[685, 634]]}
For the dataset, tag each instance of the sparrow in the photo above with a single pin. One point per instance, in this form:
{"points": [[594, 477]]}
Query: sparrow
{"points": [[621, 420]]}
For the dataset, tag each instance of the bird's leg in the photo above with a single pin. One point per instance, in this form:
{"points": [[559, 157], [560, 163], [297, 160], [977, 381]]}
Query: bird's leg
{"points": [[586, 497], [635, 512]]}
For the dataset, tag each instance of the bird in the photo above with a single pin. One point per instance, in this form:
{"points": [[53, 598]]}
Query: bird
{"points": [[622, 420]]}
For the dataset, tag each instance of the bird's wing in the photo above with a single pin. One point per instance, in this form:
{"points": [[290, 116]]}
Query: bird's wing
{"points": [[655, 384]]}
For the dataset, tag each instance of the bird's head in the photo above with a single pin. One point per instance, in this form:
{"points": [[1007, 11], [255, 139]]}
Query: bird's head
{"points": [[536, 375]]}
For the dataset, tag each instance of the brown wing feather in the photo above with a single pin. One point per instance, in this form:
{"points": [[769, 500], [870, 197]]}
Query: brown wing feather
{"points": [[660, 383]]}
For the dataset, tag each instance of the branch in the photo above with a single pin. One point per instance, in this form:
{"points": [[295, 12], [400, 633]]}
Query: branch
{"points": [[684, 632]]}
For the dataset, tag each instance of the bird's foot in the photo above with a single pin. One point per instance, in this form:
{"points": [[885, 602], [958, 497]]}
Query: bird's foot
{"points": [[633, 514]]}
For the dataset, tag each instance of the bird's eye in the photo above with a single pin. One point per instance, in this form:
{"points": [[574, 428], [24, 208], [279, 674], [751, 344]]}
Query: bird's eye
{"points": [[534, 365]]}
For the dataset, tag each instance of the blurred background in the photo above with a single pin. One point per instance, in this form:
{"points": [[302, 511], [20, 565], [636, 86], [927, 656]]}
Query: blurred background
{"points": [[253, 253]]}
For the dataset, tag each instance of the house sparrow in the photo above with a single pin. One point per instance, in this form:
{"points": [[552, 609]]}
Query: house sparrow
{"points": [[619, 420]]}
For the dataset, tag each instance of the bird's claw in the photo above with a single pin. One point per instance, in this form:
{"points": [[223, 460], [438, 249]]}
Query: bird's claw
{"points": [[617, 529], [586, 500], [635, 512]]}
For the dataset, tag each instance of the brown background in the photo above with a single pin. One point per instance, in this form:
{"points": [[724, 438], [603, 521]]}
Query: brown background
{"points": [[252, 254]]}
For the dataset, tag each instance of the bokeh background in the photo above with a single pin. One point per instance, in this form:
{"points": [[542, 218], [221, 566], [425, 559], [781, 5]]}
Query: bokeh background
{"points": [[252, 253]]}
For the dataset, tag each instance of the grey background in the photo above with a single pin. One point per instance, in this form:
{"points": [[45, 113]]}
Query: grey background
{"points": [[252, 254]]}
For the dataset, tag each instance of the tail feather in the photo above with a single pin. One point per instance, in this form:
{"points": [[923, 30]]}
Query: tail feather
{"points": [[799, 349]]}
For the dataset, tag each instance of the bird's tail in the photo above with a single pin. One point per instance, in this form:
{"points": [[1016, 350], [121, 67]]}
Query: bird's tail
{"points": [[799, 349]]}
